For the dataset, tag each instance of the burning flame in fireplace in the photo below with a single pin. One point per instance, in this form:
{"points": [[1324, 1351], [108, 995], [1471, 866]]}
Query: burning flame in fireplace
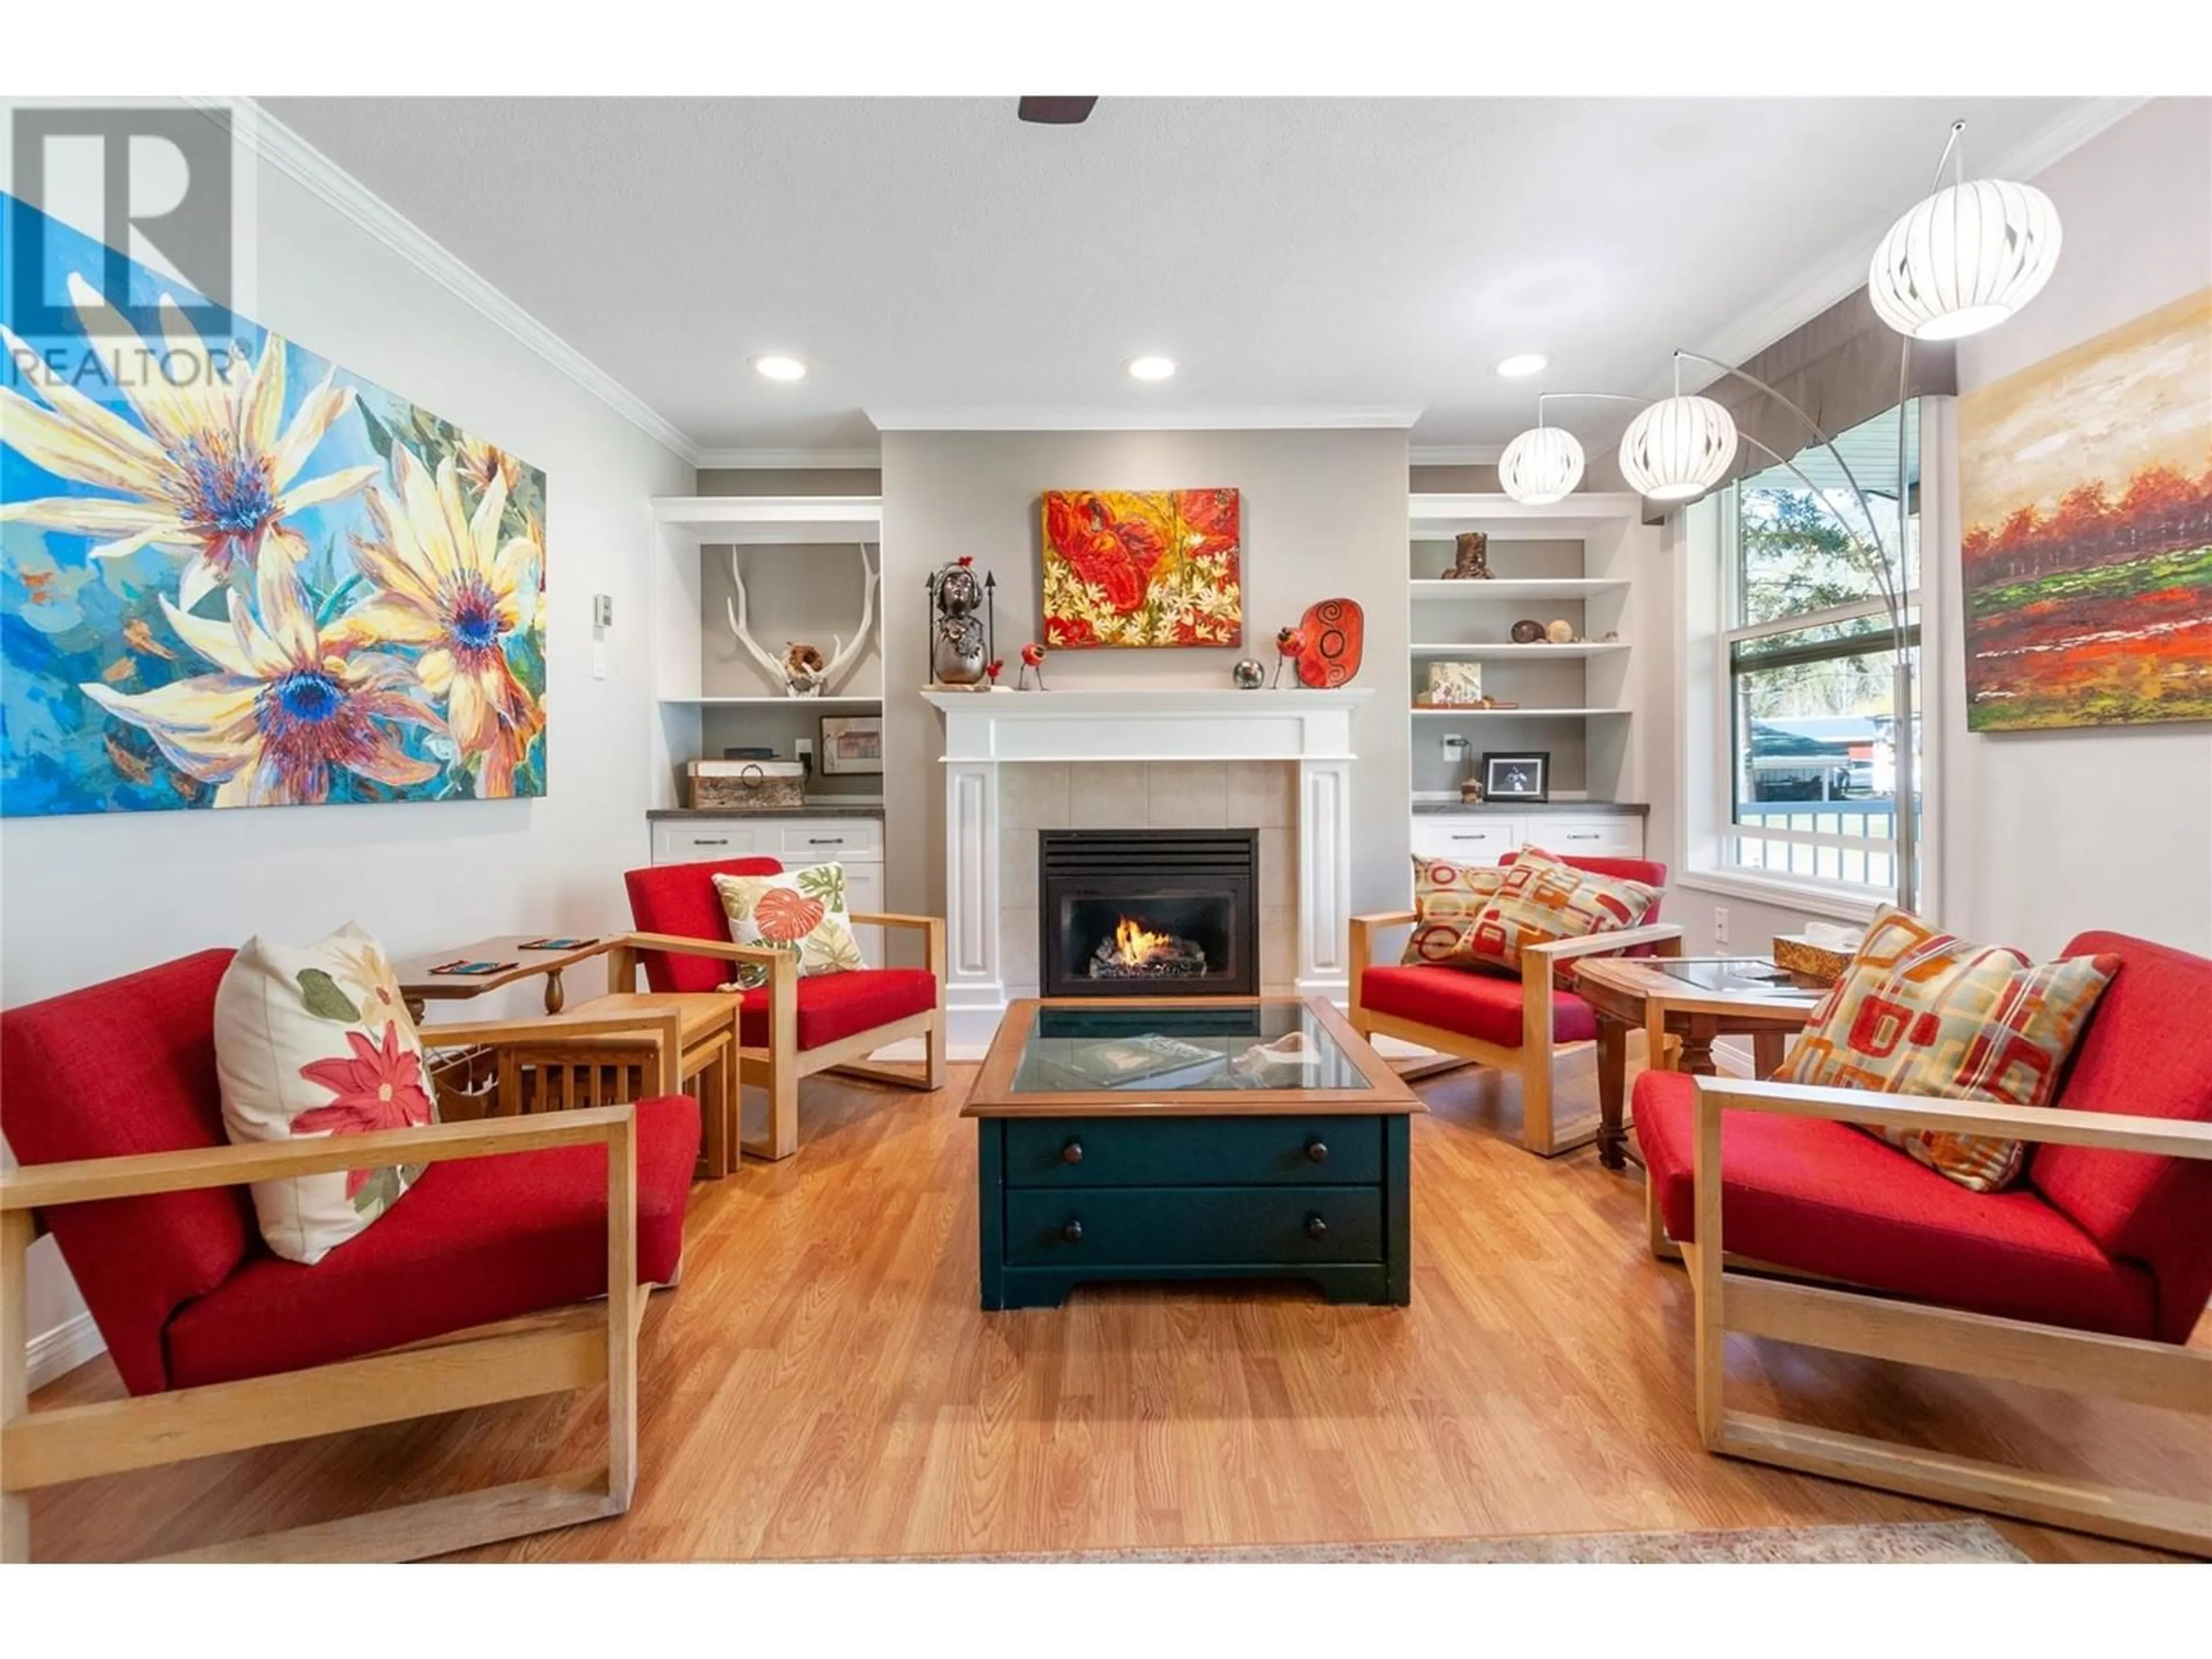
{"points": [[1134, 944]]}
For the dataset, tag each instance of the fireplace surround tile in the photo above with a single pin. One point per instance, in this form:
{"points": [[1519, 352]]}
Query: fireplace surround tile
{"points": [[1108, 795]]}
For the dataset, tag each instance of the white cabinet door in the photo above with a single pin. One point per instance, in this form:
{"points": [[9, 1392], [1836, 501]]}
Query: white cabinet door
{"points": [[696, 840], [819, 841], [1609, 838], [1469, 840], [864, 891]]}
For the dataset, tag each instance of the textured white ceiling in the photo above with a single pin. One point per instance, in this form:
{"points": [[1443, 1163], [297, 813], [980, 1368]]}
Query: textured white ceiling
{"points": [[928, 256]]}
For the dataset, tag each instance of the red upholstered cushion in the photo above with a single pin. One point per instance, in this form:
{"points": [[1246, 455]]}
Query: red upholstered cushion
{"points": [[1484, 1006], [834, 1006], [680, 898], [475, 1240], [125, 1066], [2148, 1053], [1825, 1198]]}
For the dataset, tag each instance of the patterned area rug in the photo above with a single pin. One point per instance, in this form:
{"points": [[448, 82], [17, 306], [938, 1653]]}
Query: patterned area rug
{"points": [[1934, 1543]]}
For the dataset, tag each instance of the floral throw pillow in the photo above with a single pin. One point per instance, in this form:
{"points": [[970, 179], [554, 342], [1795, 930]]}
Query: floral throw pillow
{"points": [[1447, 898], [1918, 1011], [1540, 899], [315, 1040], [801, 911]]}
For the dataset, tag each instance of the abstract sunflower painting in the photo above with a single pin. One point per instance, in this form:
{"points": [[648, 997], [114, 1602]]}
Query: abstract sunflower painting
{"points": [[234, 574], [1128, 567]]}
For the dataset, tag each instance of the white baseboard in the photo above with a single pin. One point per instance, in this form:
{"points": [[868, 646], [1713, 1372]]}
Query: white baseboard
{"points": [[56, 1352], [1732, 1057]]}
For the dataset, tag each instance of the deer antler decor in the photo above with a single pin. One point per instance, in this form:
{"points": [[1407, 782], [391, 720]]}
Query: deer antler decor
{"points": [[801, 671]]}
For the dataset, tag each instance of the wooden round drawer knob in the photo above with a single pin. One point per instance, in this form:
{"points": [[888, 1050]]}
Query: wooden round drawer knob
{"points": [[1316, 1229], [1071, 1153], [1072, 1232], [1316, 1150]]}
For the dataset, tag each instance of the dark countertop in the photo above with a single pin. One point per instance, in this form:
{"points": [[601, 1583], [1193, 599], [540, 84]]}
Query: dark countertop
{"points": [[1589, 809], [811, 810]]}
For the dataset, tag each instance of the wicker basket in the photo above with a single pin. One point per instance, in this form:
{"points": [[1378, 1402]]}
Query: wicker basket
{"points": [[752, 784], [1817, 964]]}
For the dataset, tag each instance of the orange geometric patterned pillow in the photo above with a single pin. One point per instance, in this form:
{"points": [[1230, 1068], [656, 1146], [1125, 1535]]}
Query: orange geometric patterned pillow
{"points": [[1921, 1013], [1540, 899], [1447, 898]]}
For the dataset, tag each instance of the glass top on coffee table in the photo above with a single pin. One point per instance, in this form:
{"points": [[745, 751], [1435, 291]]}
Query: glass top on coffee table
{"points": [[1271, 1052]]}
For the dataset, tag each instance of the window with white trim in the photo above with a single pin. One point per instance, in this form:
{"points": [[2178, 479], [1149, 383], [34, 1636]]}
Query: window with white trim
{"points": [[1809, 646]]}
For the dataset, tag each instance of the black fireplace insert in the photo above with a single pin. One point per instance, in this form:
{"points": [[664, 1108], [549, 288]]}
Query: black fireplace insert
{"points": [[1148, 913]]}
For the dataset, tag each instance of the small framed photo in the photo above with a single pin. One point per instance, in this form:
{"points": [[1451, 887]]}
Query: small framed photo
{"points": [[852, 744], [1516, 777]]}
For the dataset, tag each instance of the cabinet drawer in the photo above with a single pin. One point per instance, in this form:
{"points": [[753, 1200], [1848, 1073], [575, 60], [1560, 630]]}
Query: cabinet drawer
{"points": [[825, 839], [1469, 840], [1166, 1152], [687, 841], [1144, 1226], [1609, 837]]}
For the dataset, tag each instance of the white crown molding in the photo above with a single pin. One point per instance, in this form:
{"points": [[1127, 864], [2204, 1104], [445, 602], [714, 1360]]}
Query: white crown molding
{"points": [[765, 459], [1455, 454], [1257, 419], [300, 161], [1844, 270], [60, 1351]]}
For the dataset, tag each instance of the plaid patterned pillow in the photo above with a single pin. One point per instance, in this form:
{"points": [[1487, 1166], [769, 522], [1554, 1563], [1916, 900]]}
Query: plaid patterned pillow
{"points": [[1922, 1012], [1447, 898], [1540, 899]]}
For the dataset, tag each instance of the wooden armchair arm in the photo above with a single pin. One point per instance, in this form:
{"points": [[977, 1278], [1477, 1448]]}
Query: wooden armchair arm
{"points": [[42, 1186], [1374, 918], [2165, 1137], [1661, 933], [932, 934]]}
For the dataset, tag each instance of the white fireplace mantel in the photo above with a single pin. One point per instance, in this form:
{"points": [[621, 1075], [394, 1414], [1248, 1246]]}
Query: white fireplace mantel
{"points": [[1311, 730]]}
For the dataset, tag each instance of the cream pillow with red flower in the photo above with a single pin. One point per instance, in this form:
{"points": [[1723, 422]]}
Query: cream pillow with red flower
{"points": [[800, 911], [315, 1040]]}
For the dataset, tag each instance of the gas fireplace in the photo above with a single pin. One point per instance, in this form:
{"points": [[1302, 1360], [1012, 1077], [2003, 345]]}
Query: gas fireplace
{"points": [[1148, 913]]}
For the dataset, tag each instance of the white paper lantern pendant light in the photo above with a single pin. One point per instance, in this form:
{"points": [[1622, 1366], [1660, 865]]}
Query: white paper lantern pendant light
{"points": [[1964, 258], [1542, 466], [1678, 447]]}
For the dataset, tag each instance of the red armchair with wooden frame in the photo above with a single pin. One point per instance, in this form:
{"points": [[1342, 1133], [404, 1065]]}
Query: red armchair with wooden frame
{"points": [[2088, 1274], [794, 1025], [476, 1287], [1522, 1026]]}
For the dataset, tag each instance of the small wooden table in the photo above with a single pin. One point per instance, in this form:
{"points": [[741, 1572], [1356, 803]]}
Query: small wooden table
{"points": [[1177, 1173], [418, 985], [612, 1071], [1630, 994]]}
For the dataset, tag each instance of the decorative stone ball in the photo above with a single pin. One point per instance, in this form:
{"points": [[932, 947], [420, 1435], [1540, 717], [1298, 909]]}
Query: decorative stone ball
{"points": [[1561, 632], [1528, 631], [1248, 675]]}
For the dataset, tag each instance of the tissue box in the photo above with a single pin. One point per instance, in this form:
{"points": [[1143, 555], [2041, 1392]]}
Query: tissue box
{"points": [[1813, 962]]}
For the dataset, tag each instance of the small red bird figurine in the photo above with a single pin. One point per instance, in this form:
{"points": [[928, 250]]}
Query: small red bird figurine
{"points": [[1289, 642], [1032, 658], [995, 667]]}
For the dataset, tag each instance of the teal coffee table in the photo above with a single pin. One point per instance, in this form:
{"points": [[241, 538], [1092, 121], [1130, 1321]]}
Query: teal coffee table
{"points": [[1217, 1138]]}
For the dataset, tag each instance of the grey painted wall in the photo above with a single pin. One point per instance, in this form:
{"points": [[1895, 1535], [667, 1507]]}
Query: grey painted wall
{"points": [[1324, 516]]}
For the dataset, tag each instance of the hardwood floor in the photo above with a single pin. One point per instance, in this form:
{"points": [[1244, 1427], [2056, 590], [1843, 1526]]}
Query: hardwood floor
{"points": [[824, 1385]]}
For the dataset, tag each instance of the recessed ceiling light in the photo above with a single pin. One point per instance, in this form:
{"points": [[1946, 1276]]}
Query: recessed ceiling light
{"points": [[1149, 368], [780, 368], [1521, 365]]}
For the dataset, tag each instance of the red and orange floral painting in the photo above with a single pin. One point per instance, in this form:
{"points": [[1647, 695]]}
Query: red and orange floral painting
{"points": [[2086, 484], [1156, 567]]}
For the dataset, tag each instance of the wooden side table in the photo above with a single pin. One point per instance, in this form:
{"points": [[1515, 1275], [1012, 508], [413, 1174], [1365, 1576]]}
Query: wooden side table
{"points": [[1630, 994], [574, 1073], [419, 986]]}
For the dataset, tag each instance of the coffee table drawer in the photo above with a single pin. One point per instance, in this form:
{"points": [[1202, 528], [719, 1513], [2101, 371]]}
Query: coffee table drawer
{"points": [[1209, 1226], [1216, 1151]]}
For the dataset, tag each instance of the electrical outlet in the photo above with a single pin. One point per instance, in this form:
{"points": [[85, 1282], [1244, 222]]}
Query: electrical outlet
{"points": [[806, 748], [1720, 924]]}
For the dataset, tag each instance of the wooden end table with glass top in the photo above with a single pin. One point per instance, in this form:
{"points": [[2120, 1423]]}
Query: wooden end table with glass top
{"points": [[1694, 1000], [1170, 1138]]}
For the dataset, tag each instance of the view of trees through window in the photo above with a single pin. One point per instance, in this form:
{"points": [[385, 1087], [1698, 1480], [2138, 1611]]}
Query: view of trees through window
{"points": [[1811, 658]]}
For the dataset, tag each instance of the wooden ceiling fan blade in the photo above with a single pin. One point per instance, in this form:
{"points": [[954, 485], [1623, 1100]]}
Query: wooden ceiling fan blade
{"points": [[1055, 112]]}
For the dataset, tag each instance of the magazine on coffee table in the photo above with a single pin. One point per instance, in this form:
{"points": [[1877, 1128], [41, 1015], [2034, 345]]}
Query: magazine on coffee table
{"points": [[1163, 1062]]}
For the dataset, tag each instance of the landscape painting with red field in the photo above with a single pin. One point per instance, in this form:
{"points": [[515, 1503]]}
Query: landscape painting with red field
{"points": [[2086, 485]]}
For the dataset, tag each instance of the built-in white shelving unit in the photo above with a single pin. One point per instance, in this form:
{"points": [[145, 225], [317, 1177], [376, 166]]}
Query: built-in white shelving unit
{"points": [[679, 623], [1579, 561]]}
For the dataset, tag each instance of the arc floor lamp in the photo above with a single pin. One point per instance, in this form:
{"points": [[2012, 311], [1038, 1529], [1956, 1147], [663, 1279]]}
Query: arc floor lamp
{"points": [[1964, 259]]}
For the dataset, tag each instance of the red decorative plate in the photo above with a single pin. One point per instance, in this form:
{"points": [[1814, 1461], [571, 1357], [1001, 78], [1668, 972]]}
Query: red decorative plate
{"points": [[1335, 630]]}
